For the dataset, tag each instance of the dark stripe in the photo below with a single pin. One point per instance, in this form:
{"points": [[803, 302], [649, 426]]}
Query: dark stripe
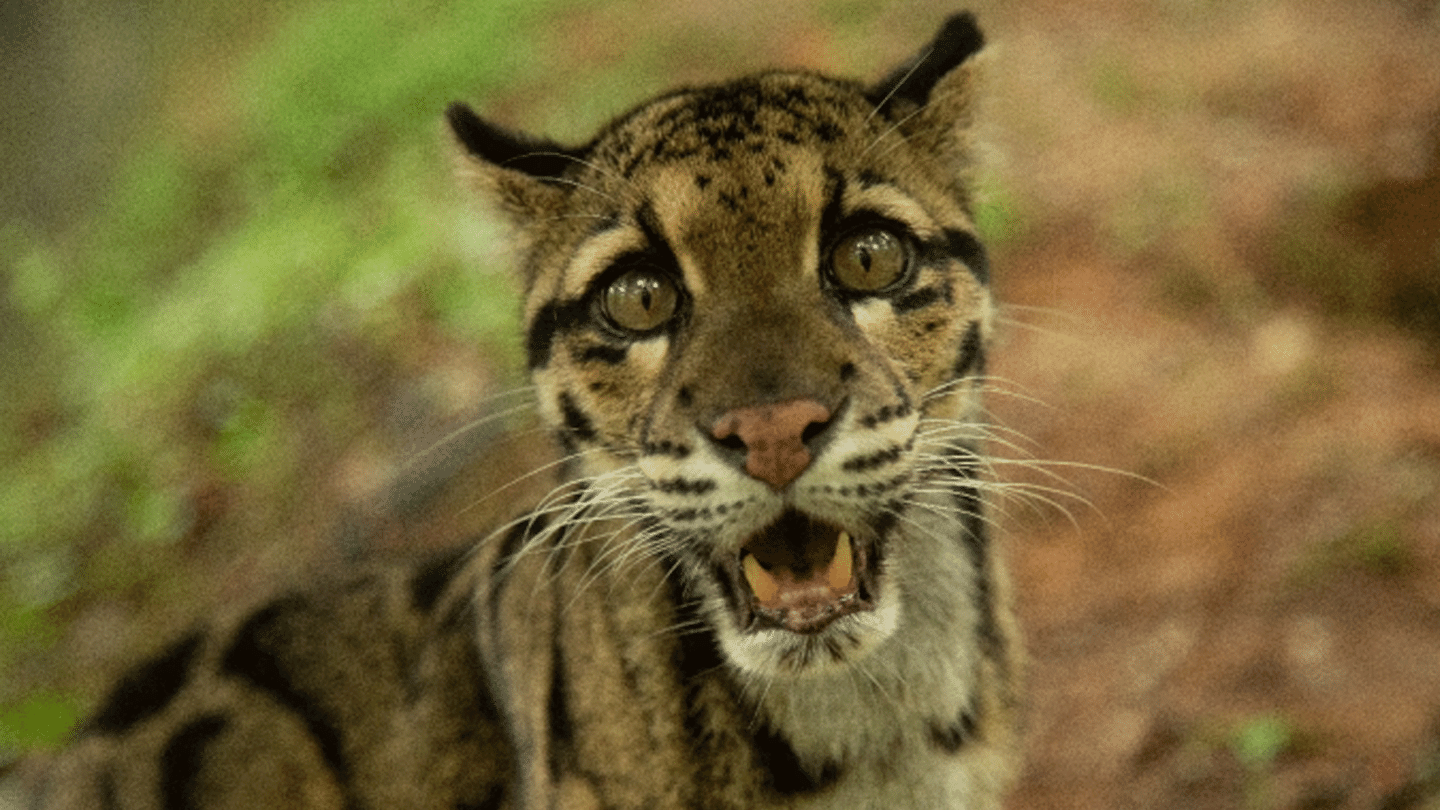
{"points": [[182, 760], [952, 737], [108, 799], [148, 689], [505, 556], [255, 656], [552, 319], [700, 666], [877, 459], [783, 772], [493, 800], [599, 353], [577, 424], [561, 735], [832, 215], [971, 358], [684, 486], [923, 297], [430, 581], [967, 247], [977, 541]]}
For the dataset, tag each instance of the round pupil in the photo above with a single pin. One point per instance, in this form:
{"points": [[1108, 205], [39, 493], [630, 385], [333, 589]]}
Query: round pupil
{"points": [[868, 260]]}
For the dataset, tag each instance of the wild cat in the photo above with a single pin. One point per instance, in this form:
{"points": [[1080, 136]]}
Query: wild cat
{"points": [[756, 317]]}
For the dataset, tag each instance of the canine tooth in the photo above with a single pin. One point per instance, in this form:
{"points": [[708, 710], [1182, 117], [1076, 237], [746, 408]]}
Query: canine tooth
{"points": [[842, 566], [762, 584]]}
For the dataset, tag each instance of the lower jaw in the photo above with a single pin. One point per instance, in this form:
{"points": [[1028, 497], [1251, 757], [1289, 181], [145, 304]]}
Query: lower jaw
{"points": [[775, 652], [837, 580]]}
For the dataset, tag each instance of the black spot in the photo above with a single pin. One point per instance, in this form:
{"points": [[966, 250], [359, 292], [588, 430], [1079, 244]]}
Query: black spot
{"points": [[256, 656], [784, 774], [683, 486], [432, 578], [971, 357], [847, 371], [577, 424], [553, 318], [688, 515], [950, 738], [886, 413], [182, 759], [684, 398], [665, 447], [702, 180], [148, 689]]}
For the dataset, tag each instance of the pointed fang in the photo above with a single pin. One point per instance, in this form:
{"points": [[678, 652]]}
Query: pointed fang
{"points": [[842, 567], [765, 587]]}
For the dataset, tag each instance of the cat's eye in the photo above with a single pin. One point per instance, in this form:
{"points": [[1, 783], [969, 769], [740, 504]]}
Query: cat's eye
{"points": [[868, 259], [640, 300]]}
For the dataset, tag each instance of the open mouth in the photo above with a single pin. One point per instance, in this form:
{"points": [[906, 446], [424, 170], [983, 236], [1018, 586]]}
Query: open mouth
{"points": [[800, 574]]}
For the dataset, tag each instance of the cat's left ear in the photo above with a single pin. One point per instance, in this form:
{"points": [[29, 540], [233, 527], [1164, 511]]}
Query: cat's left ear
{"points": [[930, 97], [519, 172]]}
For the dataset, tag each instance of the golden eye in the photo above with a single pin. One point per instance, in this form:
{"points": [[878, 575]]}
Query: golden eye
{"points": [[640, 300], [867, 260]]}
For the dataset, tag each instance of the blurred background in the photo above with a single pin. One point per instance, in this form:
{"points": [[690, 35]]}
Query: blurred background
{"points": [[248, 325]]}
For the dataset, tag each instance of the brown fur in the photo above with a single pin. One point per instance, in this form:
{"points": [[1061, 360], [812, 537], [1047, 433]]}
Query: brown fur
{"points": [[607, 650]]}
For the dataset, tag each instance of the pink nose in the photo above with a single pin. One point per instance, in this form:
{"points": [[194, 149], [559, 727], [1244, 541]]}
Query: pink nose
{"points": [[774, 437]]}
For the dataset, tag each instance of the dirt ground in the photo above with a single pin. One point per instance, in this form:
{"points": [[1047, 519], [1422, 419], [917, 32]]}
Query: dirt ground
{"points": [[1217, 240]]}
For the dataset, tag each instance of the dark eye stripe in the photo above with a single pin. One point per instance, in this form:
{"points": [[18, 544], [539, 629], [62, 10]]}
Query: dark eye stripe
{"points": [[923, 297], [552, 319], [967, 248]]}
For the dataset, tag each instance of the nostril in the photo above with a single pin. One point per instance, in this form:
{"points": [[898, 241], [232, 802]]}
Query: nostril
{"points": [[813, 430], [771, 439]]}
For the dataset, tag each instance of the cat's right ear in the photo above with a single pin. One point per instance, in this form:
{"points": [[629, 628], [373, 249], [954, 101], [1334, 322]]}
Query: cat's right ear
{"points": [[520, 173]]}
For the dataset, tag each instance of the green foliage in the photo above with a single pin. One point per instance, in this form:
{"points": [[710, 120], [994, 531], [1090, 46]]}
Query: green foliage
{"points": [[41, 720], [1377, 546], [1257, 742], [998, 214], [232, 259]]}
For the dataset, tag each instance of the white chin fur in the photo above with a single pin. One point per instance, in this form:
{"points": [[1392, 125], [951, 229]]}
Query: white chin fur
{"points": [[773, 653]]}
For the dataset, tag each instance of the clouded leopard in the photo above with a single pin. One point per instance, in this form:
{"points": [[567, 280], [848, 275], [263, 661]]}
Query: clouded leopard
{"points": [[756, 316]]}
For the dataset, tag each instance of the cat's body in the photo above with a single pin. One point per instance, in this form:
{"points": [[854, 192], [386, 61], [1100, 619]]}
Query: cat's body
{"points": [[756, 317]]}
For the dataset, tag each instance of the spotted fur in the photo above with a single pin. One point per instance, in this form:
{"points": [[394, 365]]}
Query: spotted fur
{"points": [[756, 316]]}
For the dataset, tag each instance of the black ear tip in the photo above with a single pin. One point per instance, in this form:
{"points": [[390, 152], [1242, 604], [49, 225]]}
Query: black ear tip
{"points": [[960, 36], [463, 122]]}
